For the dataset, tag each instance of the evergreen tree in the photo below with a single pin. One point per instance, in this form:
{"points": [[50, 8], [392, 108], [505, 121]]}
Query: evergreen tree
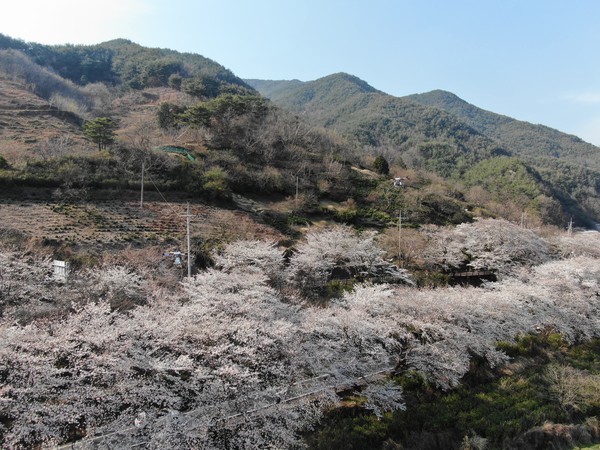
{"points": [[101, 131], [381, 165]]}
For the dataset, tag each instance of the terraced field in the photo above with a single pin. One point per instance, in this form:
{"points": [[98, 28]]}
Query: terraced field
{"points": [[115, 223], [27, 120]]}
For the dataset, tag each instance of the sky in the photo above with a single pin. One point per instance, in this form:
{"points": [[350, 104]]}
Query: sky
{"points": [[534, 60]]}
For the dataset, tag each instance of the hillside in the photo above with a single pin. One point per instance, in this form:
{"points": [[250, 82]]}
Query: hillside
{"points": [[523, 138], [333, 101], [364, 271], [441, 133], [248, 146], [125, 63], [242, 144], [273, 89], [351, 106], [27, 121], [346, 103]]}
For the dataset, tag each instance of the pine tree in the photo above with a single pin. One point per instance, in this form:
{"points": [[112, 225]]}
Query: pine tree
{"points": [[381, 165], [100, 131]]}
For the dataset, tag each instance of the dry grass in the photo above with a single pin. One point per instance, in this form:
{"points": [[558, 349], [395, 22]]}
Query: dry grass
{"points": [[117, 224], [27, 121]]}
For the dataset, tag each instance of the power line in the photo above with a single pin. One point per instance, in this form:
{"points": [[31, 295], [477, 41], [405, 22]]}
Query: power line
{"points": [[342, 385], [142, 188], [161, 194], [187, 215]]}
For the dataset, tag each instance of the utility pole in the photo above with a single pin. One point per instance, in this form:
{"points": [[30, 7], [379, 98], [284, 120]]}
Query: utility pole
{"points": [[187, 238], [189, 259], [296, 201], [142, 188], [523, 219], [399, 235]]}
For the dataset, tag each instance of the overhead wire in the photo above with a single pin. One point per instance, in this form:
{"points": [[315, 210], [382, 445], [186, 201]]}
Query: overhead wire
{"points": [[312, 392]]}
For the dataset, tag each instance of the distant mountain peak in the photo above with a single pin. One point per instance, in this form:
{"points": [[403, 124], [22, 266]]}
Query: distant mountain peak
{"points": [[118, 41], [438, 97], [343, 77], [330, 89]]}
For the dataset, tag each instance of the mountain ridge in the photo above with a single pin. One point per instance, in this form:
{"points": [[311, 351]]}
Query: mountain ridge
{"points": [[484, 121], [439, 131], [499, 127], [253, 146], [124, 62], [351, 106]]}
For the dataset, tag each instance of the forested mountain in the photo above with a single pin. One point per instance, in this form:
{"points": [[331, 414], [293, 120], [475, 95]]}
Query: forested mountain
{"points": [[444, 134], [321, 101], [435, 132], [424, 137], [273, 88], [252, 146], [523, 138], [122, 62]]}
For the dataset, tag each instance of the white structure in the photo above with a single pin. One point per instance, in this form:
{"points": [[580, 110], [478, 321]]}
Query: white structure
{"points": [[61, 270]]}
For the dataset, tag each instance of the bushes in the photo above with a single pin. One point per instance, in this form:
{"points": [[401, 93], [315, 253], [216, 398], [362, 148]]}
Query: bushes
{"points": [[214, 182], [506, 411], [120, 170], [381, 166]]}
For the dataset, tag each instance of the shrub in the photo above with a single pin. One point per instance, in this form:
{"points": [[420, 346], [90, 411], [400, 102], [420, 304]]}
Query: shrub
{"points": [[381, 166], [3, 163], [214, 181]]}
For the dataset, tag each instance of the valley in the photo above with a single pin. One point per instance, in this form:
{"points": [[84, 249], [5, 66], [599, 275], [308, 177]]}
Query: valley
{"points": [[367, 271]]}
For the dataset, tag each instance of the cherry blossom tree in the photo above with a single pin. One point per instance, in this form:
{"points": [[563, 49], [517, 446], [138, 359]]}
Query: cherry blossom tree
{"points": [[28, 289], [230, 360], [489, 244], [263, 255], [585, 243], [342, 251]]}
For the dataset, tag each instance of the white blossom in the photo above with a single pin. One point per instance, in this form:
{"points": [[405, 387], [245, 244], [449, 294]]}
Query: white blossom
{"points": [[229, 360], [489, 244]]}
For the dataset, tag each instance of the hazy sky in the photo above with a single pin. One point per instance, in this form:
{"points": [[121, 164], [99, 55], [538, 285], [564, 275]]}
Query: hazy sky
{"points": [[534, 60]]}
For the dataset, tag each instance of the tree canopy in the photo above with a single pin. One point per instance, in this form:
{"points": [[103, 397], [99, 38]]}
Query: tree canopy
{"points": [[381, 165], [101, 131]]}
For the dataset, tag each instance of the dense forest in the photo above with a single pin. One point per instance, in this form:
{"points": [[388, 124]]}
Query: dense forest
{"points": [[365, 271], [122, 62]]}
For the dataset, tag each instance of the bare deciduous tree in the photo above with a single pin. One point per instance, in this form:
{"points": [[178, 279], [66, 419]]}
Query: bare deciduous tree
{"points": [[55, 146]]}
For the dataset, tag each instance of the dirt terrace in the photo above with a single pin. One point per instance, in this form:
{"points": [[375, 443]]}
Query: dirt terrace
{"points": [[27, 120], [114, 223]]}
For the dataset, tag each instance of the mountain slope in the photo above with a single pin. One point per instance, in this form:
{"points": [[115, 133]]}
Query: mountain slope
{"points": [[27, 122], [147, 67], [247, 145], [122, 62], [272, 89], [425, 137], [328, 101], [523, 138], [440, 132], [332, 100]]}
